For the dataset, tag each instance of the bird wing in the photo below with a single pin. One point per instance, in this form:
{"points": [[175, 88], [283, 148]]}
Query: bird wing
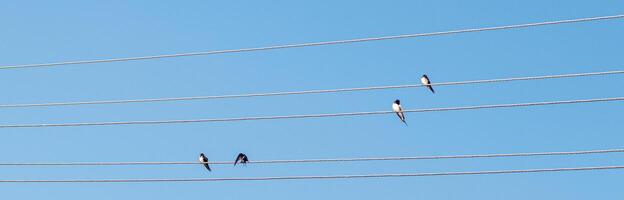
{"points": [[237, 159], [401, 116]]}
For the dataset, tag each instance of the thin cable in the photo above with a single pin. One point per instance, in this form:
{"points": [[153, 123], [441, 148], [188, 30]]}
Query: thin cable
{"points": [[565, 153], [319, 177], [317, 43], [308, 91], [311, 115]]}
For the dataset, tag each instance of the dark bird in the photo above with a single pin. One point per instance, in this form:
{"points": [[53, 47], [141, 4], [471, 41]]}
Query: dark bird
{"points": [[396, 107], [425, 81], [241, 158], [203, 159]]}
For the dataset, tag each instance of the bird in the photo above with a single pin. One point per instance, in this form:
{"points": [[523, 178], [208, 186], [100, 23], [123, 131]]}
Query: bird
{"points": [[203, 159], [425, 81], [396, 107], [242, 158]]}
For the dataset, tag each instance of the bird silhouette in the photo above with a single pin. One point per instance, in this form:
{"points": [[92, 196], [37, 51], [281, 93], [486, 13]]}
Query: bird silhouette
{"points": [[425, 81], [396, 107], [203, 159], [241, 158]]}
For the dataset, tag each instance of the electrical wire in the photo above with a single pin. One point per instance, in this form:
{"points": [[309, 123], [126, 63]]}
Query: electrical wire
{"points": [[309, 91], [312, 115], [316, 43], [319, 177], [564, 153]]}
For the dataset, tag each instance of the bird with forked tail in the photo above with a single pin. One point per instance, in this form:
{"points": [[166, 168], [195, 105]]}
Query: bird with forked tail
{"points": [[426, 82], [241, 158], [204, 160], [396, 107]]}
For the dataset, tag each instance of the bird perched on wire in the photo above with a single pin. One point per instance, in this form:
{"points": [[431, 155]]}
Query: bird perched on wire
{"points": [[425, 81], [241, 158], [396, 107], [204, 160]]}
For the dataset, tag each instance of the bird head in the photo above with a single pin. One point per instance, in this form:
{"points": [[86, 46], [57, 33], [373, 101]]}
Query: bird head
{"points": [[397, 101]]}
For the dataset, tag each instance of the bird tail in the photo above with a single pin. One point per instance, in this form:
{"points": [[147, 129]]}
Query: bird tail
{"points": [[431, 88], [207, 167], [402, 118]]}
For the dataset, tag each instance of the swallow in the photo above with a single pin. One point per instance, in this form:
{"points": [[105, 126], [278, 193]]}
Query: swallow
{"points": [[242, 158], [203, 159], [425, 81], [396, 107]]}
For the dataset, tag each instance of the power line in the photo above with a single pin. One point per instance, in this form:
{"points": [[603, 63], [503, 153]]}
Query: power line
{"points": [[317, 43], [308, 91], [312, 115], [318, 177], [328, 160]]}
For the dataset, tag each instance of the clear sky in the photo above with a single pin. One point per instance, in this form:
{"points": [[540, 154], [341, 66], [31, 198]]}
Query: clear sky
{"points": [[51, 31]]}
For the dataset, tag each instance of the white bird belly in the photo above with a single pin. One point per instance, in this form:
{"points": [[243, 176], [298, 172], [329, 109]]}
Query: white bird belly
{"points": [[396, 108], [424, 80]]}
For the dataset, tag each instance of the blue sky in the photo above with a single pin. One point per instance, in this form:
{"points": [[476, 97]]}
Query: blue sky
{"points": [[40, 32]]}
